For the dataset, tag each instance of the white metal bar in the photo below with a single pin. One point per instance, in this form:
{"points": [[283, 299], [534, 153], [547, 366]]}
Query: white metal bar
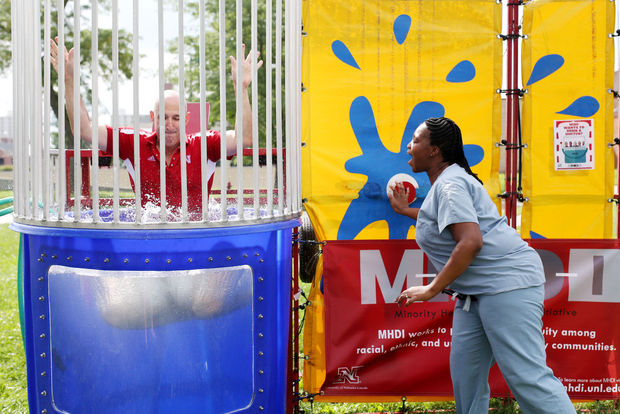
{"points": [[203, 117], [94, 67], [136, 111], [115, 126], [77, 136], [56, 190], [288, 91], [162, 114], [268, 102], [56, 183], [17, 130], [297, 105], [182, 111], [223, 74], [278, 69], [46, 110], [255, 146], [24, 136], [24, 122], [239, 108], [28, 98], [62, 194], [37, 121]]}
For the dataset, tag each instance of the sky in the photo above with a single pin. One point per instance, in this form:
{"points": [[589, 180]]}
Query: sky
{"points": [[149, 83], [149, 75]]}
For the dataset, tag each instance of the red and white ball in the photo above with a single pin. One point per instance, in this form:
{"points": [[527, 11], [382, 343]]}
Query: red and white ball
{"points": [[408, 182]]}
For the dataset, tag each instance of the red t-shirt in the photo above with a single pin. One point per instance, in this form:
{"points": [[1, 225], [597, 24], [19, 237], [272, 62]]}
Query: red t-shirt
{"points": [[149, 167]]}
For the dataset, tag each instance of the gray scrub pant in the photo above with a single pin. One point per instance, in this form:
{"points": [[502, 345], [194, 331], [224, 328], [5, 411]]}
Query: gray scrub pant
{"points": [[505, 328]]}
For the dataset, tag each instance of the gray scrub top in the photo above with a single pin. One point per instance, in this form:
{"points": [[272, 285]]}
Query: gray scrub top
{"points": [[505, 261]]}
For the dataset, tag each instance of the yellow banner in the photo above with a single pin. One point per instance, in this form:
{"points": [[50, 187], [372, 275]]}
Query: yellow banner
{"points": [[568, 169], [373, 71]]}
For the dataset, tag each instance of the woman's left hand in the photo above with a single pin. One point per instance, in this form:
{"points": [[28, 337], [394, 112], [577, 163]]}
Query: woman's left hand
{"points": [[415, 294]]}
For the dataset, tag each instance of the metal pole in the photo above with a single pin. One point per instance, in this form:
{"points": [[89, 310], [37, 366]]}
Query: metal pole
{"points": [[77, 132], [37, 97], [255, 163], [239, 108], [115, 125], [279, 148], [514, 30], [203, 118], [297, 105], [288, 92], [17, 130], [62, 182], [182, 110], [95, 112], [28, 158], [162, 117], [47, 108], [268, 103], [617, 46], [223, 66], [136, 111]]}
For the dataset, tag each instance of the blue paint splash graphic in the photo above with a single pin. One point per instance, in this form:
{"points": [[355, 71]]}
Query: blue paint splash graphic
{"points": [[544, 67], [379, 165], [463, 72], [402, 24], [585, 107], [342, 52]]}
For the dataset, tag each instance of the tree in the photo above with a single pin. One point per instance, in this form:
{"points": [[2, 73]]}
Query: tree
{"points": [[104, 46], [212, 70], [5, 35]]}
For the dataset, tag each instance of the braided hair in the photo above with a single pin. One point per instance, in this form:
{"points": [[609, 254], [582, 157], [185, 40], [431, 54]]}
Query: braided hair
{"points": [[446, 135]]}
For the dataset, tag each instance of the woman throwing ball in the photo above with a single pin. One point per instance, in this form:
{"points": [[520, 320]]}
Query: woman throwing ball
{"points": [[499, 278]]}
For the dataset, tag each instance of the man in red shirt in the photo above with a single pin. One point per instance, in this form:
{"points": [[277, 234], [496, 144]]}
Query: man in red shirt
{"points": [[149, 141]]}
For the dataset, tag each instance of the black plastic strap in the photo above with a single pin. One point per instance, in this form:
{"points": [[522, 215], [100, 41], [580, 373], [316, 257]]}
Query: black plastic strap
{"points": [[519, 92], [504, 143], [508, 194], [510, 36]]}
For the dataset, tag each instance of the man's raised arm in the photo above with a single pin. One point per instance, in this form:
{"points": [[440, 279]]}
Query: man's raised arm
{"points": [[86, 132], [231, 145]]}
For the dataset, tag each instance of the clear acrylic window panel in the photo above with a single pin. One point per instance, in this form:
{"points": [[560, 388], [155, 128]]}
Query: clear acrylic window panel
{"points": [[151, 341]]}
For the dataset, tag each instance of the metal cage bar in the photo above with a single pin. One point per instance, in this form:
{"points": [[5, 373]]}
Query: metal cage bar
{"points": [[60, 185]]}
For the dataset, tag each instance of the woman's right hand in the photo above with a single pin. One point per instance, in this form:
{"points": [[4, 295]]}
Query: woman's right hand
{"points": [[399, 197]]}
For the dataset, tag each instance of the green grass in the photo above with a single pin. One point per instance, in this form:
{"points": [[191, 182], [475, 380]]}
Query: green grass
{"points": [[13, 390]]}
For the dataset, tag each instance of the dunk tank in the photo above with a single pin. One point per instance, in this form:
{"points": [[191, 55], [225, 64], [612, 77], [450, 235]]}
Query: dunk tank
{"points": [[151, 308]]}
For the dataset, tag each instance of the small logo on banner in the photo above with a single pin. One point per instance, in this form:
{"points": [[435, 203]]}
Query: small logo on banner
{"points": [[348, 375]]}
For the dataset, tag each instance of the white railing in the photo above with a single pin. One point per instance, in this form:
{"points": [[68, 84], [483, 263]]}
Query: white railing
{"points": [[58, 181]]}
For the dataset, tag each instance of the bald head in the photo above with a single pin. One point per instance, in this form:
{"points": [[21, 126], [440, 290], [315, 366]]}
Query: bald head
{"points": [[171, 97], [172, 119]]}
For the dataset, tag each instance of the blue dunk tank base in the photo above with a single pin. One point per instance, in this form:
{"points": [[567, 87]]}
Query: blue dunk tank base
{"points": [[157, 321]]}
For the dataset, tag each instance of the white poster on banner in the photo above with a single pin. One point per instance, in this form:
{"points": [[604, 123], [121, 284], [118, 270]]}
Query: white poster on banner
{"points": [[574, 144]]}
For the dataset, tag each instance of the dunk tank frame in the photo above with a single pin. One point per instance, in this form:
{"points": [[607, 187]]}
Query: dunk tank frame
{"points": [[169, 314]]}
